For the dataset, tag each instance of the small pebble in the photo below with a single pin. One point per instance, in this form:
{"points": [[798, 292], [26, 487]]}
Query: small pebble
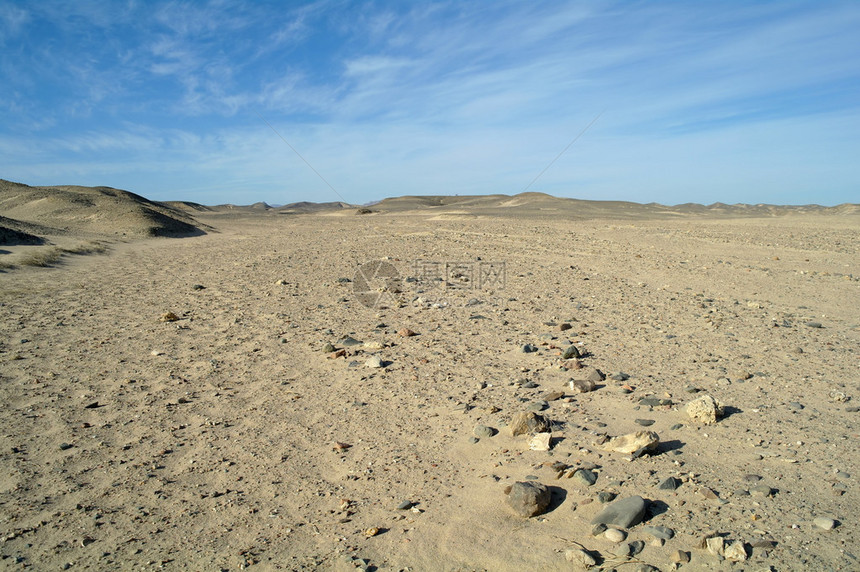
{"points": [[824, 523], [614, 535]]}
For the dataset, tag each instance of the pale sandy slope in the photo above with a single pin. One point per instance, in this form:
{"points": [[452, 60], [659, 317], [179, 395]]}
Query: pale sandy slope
{"points": [[218, 452]]}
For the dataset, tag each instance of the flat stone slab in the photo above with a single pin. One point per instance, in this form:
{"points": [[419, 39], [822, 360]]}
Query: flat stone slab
{"points": [[626, 512]]}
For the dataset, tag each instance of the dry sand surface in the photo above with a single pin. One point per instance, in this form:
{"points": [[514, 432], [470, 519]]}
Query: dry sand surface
{"points": [[229, 438]]}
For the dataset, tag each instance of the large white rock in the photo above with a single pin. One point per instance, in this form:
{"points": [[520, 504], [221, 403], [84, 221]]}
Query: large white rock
{"points": [[540, 442], [633, 442], [705, 410]]}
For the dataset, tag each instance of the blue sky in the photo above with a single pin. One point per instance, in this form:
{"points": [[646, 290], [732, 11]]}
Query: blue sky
{"points": [[754, 102]]}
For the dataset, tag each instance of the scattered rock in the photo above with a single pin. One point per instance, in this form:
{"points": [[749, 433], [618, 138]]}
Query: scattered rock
{"points": [[715, 545], [735, 551], [540, 442], [328, 348], [680, 557], [528, 498], [564, 327], [483, 431], [373, 362], [198, 287], [604, 497], [552, 395], [571, 352], [655, 401], [824, 523], [168, 317], [761, 491], [598, 529], [595, 375], [633, 442], [624, 513], [582, 385], [529, 422], [580, 558], [636, 547], [644, 422], [529, 348], [661, 532], [405, 505], [814, 325], [705, 410], [615, 535], [585, 476], [670, 484], [406, 333], [538, 406]]}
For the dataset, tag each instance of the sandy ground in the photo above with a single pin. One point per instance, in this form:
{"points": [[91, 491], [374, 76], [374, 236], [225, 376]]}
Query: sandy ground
{"points": [[211, 442]]}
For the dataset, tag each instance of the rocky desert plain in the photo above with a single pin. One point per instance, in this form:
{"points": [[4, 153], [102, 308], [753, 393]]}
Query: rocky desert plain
{"points": [[428, 384]]}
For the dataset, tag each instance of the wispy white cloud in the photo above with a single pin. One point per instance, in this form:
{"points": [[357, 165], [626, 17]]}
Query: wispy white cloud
{"points": [[435, 98]]}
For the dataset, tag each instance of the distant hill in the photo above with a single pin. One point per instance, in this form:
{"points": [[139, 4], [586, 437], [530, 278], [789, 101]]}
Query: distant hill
{"points": [[543, 205], [94, 211]]}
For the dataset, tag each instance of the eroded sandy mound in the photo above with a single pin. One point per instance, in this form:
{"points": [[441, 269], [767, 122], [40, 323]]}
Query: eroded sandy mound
{"points": [[94, 211]]}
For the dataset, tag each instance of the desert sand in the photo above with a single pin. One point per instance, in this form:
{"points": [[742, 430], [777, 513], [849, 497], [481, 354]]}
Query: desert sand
{"points": [[188, 387]]}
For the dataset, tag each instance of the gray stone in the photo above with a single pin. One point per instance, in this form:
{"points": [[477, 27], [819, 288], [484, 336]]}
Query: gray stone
{"points": [[538, 406], [528, 498], [529, 422], [571, 352], [814, 325], [615, 535], [670, 484], [761, 491], [350, 341], [604, 497], [662, 532], [586, 477], [405, 505], [328, 348], [636, 547], [655, 401], [824, 523], [598, 529], [595, 375], [373, 362], [625, 512], [529, 348], [484, 431], [644, 422]]}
